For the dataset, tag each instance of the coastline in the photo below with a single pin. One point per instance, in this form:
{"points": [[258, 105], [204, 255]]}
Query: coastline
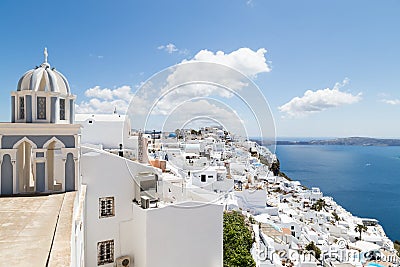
{"points": [[350, 175]]}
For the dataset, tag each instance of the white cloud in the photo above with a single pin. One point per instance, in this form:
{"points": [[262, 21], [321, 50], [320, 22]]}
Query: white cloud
{"points": [[391, 101], [204, 76], [244, 59], [97, 92], [317, 101], [170, 48], [105, 100]]}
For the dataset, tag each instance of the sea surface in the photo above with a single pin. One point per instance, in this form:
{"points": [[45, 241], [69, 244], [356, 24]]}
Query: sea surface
{"points": [[365, 180]]}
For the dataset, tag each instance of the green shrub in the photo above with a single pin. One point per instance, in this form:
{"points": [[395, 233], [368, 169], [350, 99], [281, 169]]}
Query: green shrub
{"points": [[237, 241]]}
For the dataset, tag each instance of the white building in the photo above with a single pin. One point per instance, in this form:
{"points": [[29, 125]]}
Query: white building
{"points": [[169, 234], [109, 131], [117, 214]]}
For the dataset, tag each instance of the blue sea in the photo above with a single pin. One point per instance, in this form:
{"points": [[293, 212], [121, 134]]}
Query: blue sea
{"points": [[365, 180]]}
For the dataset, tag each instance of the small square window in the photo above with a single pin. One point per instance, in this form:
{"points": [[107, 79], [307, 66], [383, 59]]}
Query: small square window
{"points": [[106, 207], [105, 252]]}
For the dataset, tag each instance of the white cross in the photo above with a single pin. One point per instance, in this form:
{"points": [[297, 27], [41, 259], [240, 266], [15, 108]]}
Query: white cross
{"points": [[45, 55]]}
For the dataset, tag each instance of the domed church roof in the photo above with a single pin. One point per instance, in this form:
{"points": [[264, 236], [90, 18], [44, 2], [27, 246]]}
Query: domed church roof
{"points": [[44, 78]]}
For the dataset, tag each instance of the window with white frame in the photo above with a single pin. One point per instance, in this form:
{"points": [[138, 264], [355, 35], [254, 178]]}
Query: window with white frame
{"points": [[106, 207], [105, 252]]}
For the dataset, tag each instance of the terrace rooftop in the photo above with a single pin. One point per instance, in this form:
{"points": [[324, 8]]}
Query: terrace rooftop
{"points": [[36, 231]]}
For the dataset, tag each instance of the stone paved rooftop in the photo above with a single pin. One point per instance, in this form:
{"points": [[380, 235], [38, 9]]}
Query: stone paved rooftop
{"points": [[28, 228]]}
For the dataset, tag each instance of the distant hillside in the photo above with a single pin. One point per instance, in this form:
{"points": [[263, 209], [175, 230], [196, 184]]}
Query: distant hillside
{"points": [[349, 141]]}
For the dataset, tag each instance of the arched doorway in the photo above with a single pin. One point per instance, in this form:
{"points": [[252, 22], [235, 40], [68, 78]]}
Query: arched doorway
{"points": [[25, 169], [54, 164]]}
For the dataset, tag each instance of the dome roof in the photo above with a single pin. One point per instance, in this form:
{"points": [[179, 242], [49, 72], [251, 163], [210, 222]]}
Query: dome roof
{"points": [[44, 78]]}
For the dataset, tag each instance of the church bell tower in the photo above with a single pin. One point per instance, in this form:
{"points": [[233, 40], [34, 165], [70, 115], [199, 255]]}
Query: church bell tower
{"points": [[39, 149]]}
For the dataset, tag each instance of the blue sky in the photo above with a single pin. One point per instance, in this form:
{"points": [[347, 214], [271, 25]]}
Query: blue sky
{"points": [[311, 45]]}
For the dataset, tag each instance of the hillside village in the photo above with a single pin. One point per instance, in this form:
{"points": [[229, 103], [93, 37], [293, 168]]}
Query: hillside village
{"points": [[287, 217]]}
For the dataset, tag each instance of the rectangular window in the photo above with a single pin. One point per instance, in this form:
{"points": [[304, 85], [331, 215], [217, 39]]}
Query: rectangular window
{"points": [[41, 108], [105, 252], [106, 207], [21, 108], [203, 178], [62, 109]]}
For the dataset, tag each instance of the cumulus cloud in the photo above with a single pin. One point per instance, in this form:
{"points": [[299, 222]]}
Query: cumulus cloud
{"points": [[176, 89], [244, 59], [206, 76], [105, 100], [319, 100]]}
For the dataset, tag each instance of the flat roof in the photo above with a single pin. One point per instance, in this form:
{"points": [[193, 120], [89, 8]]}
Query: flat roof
{"points": [[28, 226], [285, 219], [81, 117]]}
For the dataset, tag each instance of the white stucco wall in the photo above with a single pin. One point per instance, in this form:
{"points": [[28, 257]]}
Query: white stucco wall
{"points": [[107, 175], [185, 235], [211, 177], [110, 130], [251, 198], [78, 229]]}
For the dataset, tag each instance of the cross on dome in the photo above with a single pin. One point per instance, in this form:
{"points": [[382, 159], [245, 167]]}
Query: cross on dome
{"points": [[44, 78], [45, 54]]}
